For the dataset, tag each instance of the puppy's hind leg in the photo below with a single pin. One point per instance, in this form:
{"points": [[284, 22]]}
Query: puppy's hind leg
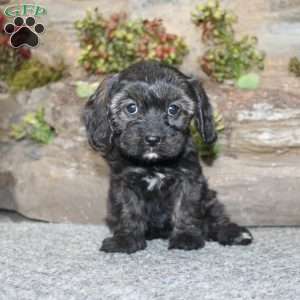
{"points": [[219, 226]]}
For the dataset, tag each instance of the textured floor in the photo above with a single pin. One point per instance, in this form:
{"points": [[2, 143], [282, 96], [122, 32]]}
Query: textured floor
{"points": [[44, 261]]}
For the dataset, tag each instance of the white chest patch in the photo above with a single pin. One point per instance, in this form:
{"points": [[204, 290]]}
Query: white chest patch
{"points": [[154, 181]]}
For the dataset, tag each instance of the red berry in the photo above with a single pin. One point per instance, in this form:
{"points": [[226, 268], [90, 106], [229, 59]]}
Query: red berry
{"points": [[160, 51], [25, 53], [2, 21], [3, 39]]}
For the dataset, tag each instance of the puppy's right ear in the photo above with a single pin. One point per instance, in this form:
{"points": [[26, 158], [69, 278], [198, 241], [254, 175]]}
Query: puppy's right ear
{"points": [[203, 113], [96, 116]]}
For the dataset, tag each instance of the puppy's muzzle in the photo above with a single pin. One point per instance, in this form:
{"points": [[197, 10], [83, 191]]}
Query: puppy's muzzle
{"points": [[152, 140]]}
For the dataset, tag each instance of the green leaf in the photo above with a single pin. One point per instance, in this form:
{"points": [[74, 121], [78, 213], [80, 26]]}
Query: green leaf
{"points": [[35, 127], [18, 132], [248, 81], [85, 89]]}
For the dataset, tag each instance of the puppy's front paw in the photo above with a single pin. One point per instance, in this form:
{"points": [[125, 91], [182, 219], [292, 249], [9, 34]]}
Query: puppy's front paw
{"points": [[123, 244], [186, 241], [233, 234]]}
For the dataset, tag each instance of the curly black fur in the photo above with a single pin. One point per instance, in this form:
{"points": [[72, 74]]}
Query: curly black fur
{"points": [[157, 189]]}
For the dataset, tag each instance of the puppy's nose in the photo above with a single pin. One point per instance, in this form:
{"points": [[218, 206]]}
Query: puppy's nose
{"points": [[152, 140]]}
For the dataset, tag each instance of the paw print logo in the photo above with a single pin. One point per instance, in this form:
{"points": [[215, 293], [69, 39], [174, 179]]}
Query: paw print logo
{"points": [[24, 32]]}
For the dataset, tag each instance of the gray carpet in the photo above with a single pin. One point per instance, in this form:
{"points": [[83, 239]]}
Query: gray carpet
{"points": [[45, 261]]}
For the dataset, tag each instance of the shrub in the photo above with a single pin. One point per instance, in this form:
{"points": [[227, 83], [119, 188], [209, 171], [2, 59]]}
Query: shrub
{"points": [[226, 57], [294, 66], [33, 74], [112, 44], [10, 59], [34, 127]]}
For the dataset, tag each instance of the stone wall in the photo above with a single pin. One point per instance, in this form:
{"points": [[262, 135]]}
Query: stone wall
{"points": [[257, 175], [276, 23]]}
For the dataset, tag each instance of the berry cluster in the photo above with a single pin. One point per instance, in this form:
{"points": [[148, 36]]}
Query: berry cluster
{"points": [[227, 57]]}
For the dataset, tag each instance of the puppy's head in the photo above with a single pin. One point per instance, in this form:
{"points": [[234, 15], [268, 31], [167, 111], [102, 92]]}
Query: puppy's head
{"points": [[145, 112]]}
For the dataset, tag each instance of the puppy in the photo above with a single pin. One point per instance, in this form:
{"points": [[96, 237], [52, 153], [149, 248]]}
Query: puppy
{"points": [[139, 121]]}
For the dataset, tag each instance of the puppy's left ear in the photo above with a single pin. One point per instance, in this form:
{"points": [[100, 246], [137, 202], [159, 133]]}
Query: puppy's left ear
{"points": [[203, 112]]}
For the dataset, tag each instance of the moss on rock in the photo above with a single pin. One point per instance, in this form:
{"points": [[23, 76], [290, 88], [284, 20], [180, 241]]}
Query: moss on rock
{"points": [[33, 74], [294, 66]]}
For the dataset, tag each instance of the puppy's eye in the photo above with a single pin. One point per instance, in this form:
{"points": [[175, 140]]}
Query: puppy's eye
{"points": [[173, 110], [132, 108]]}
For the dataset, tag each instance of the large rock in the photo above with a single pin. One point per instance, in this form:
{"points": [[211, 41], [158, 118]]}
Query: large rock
{"points": [[262, 121], [61, 182], [257, 175], [258, 190]]}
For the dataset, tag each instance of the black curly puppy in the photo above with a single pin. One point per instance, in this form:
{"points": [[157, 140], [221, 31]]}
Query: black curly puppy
{"points": [[139, 120]]}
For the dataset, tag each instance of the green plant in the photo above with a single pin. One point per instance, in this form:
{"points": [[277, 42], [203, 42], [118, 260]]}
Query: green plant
{"points": [[110, 45], [10, 59], [34, 127], [248, 81], [294, 66], [33, 74], [208, 152], [226, 57], [85, 89]]}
